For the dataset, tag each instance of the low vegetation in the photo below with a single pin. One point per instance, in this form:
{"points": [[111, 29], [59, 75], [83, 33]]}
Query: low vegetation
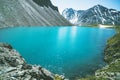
{"points": [[93, 78], [112, 51], [117, 29]]}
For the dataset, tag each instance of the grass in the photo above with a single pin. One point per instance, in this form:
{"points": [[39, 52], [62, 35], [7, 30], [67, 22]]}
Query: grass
{"points": [[112, 51], [117, 28], [113, 67], [1, 77], [93, 78]]}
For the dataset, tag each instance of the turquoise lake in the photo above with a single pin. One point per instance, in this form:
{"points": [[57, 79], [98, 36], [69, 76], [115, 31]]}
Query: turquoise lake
{"points": [[70, 51]]}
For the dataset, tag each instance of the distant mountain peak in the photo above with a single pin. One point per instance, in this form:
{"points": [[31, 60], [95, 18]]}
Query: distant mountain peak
{"points": [[98, 5], [69, 9], [97, 14]]}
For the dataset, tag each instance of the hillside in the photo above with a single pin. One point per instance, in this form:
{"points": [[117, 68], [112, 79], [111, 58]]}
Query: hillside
{"points": [[30, 13]]}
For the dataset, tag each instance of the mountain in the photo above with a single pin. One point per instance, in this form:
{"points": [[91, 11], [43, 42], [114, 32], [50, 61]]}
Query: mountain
{"points": [[30, 13], [95, 15], [46, 3]]}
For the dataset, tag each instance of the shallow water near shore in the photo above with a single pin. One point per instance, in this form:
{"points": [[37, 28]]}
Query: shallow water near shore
{"points": [[70, 51]]}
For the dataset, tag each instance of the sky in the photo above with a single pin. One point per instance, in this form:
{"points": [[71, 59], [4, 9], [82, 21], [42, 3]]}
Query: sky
{"points": [[85, 4]]}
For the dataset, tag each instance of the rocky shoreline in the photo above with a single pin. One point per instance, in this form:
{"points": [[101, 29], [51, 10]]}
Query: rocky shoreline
{"points": [[14, 67], [112, 57]]}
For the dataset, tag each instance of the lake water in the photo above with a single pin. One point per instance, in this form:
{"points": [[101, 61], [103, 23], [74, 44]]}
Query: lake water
{"points": [[70, 51]]}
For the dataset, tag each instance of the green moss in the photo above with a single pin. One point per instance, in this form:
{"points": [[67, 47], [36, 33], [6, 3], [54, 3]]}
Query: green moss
{"points": [[58, 77], [113, 67], [112, 51], [1, 78], [117, 28], [92, 25], [93, 78]]}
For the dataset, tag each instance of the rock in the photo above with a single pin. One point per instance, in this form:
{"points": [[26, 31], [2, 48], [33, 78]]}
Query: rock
{"points": [[26, 66], [28, 77], [5, 45], [46, 3], [61, 77], [10, 57]]}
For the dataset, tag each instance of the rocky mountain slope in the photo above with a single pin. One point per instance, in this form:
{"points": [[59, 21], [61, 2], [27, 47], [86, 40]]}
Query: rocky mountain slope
{"points": [[46, 3], [30, 13], [14, 67], [95, 15]]}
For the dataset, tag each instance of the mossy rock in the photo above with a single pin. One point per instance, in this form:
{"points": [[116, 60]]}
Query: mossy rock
{"points": [[112, 51], [112, 67], [58, 77], [1, 78]]}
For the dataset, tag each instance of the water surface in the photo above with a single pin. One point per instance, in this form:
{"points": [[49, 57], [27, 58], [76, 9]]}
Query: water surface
{"points": [[70, 51]]}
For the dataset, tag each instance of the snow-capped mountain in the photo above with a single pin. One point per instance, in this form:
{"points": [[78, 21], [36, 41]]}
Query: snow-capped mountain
{"points": [[95, 15], [30, 13]]}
